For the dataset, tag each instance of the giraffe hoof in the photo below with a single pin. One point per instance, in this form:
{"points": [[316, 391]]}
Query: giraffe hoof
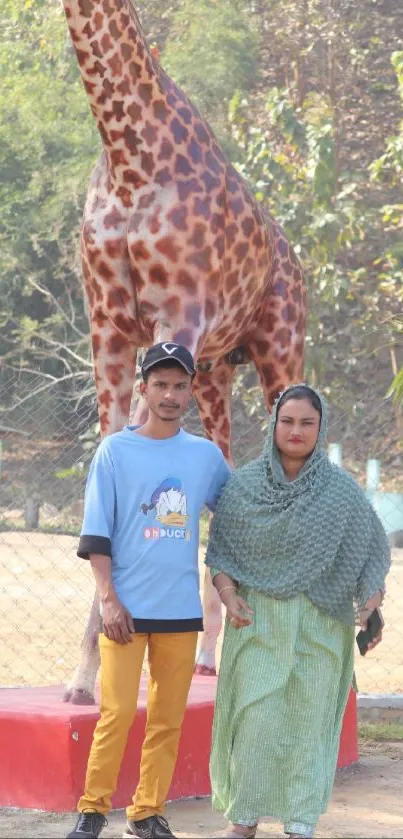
{"points": [[202, 670], [78, 696]]}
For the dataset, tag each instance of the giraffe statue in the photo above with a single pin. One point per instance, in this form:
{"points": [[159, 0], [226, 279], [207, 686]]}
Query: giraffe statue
{"points": [[174, 247]]}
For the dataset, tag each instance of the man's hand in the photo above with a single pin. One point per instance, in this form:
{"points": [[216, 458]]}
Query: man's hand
{"points": [[239, 612], [117, 621]]}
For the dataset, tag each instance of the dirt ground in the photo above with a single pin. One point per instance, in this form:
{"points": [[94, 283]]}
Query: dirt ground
{"points": [[46, 592], [366, 802]]}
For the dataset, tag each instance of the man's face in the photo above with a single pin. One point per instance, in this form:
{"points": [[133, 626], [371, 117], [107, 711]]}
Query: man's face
{"points": [[167, 392]]}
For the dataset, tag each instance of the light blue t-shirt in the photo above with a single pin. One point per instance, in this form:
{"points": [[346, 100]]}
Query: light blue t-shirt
{"points": [[143, 502]]}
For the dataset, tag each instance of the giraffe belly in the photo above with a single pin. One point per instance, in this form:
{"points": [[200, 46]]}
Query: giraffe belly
{"points": [[227, 337]]}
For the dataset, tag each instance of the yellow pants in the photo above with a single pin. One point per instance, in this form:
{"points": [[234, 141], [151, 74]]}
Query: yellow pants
{"points": [[171, 661]]}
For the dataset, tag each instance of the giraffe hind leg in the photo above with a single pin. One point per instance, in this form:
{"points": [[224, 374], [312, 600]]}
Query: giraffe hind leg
{"points": [[213, 393], [276, 345]]}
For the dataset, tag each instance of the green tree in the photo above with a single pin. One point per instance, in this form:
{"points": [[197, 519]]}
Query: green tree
{"points": [[48, 143], [212, 52], [315, 125], [389, 168], [307, 146]]}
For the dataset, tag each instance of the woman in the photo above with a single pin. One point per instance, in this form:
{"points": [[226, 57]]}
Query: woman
{"points": [[294, 545]]}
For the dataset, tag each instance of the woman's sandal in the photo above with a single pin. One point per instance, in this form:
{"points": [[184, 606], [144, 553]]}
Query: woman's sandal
{"points": [[243, 832]]}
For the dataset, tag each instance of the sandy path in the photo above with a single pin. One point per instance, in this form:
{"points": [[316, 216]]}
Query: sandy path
{"points": [[45, 592], [367, 802]]}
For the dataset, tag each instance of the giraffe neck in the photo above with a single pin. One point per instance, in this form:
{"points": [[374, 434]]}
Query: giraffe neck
{"points": [[122, 79]]}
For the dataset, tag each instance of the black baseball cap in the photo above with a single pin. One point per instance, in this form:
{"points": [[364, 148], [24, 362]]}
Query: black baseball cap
{"points": [[168, 351]]}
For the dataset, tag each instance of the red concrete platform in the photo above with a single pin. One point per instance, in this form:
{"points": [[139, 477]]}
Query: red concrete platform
{"points": [[44, 745]]}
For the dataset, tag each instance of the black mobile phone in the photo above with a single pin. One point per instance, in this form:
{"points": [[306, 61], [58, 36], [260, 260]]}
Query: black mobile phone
{"points": [[365, 636]]}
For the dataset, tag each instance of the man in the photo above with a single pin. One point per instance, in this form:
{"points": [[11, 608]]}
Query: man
{"points": [[145, 492]]}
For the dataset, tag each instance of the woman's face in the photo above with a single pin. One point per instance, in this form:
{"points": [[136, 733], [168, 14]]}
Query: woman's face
{"points": [[297, 428]]}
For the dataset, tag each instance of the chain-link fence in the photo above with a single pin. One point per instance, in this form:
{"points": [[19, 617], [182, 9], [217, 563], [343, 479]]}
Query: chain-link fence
{"points": [[47, 440]]}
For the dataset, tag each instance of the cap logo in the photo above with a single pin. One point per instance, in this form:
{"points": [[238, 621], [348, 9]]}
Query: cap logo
{"points": [[169, 348]]}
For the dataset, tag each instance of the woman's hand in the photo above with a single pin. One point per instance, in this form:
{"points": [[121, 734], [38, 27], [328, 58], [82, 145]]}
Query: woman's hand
{"points": [[239, 612], [373, 603]]}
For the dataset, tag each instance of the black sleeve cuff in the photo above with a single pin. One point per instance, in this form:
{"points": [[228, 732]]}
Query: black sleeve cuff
{"points": [[94, 545]]}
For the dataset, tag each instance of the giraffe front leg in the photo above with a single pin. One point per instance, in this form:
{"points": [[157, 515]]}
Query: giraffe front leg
{"points": [[140, 415], [81, 689], [213, 394], [114, 365], [212, 611]]}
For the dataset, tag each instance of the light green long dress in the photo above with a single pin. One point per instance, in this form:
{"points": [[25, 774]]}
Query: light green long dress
{"points": [[282, 690]]}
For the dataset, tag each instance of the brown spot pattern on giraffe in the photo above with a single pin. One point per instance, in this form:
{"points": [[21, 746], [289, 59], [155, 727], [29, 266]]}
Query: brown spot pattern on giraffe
{"points": [[166, 150], [154, 224], [163, 177], [198, 237], [186, 282], [125, 196], [125, 401], [96, 345], [134, 178], [147, 162], [168, 248], [282, 337], [146, 201], [159, 276], [289, 313], [114, 248], [140, 251], [114, 373], [185, 188], [118, 298], [172, 306], [183, 336], [201, 259], [178, 216], [118, 157], [105, 398]]}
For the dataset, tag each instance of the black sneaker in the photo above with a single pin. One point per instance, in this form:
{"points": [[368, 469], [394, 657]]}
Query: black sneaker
{"points": [[88, 826], [155, 827]]}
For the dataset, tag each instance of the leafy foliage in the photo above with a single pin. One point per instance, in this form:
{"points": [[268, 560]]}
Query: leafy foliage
{"points": [[306, 96], [48, 143], [212, 51]]}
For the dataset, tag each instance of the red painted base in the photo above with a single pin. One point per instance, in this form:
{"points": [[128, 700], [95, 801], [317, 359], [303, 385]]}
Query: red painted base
{"points": [[44, 745], [348, 750]]}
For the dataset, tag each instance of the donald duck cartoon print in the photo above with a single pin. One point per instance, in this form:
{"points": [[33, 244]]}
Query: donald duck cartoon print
{"points": [[169, 504]]}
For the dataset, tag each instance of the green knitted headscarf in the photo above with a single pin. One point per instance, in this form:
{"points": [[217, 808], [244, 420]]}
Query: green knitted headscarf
{"points": [[317, 534]]}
